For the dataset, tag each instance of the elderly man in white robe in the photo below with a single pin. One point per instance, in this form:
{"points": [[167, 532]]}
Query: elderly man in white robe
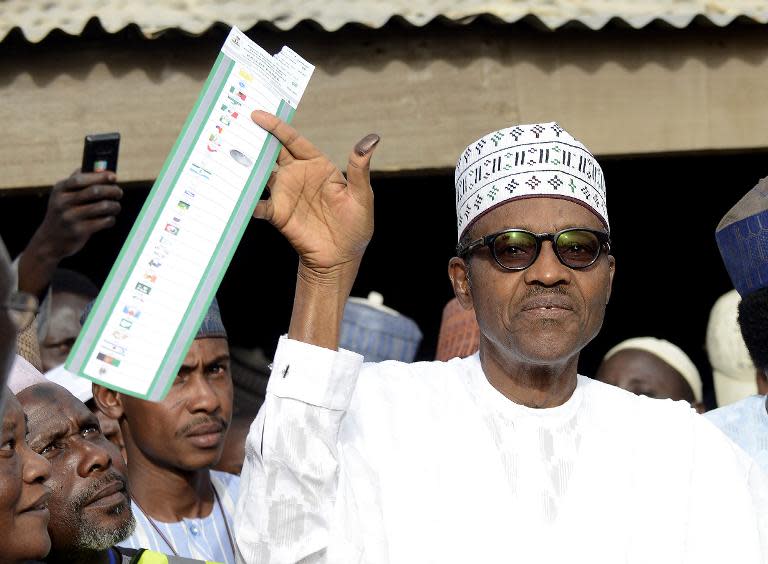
{"points": [[505, 456]]}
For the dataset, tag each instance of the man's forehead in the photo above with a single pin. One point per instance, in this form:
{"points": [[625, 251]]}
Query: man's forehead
{"points": [[49, 404], [206, 349]]}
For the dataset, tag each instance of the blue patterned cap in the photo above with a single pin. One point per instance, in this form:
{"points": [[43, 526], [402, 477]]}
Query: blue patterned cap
{"points": [[742, 237], [211, 327]]}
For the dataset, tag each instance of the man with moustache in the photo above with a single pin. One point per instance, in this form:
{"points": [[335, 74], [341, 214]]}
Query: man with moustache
{"points": [[182, 507], [505, 456], [90, 507]]}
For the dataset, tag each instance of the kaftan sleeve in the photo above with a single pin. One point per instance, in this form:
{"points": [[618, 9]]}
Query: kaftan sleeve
{"points": [[291, 471]]}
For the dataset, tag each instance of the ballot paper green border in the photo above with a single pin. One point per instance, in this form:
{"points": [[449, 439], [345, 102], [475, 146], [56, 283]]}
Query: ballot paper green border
{"points": [[144, 225]]}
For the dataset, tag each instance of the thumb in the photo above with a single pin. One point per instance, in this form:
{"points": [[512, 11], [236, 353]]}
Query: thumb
{"points": [[264, 210], [359, 164]]}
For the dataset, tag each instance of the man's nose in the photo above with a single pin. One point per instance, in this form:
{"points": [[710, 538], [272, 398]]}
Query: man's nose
{"points": [[92, 457], [202, 396], [547, 270]]}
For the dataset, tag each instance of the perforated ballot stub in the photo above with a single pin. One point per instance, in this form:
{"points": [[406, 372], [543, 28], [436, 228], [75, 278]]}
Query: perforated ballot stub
{"points": [[168, 271]]}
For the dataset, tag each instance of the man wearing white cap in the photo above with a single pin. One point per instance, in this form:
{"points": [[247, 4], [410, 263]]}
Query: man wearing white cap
{"points": [[507, 455], [741, 237], [733, 372], [652, 367]]}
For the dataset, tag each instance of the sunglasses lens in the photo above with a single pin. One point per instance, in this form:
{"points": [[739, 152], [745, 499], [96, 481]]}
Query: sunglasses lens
{"points": [[578, 248], [515, 249]]}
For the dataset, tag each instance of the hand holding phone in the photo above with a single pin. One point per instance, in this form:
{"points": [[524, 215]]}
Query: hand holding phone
{"points": [[100, 152]]}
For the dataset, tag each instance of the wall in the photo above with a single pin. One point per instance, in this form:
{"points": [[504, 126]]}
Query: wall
{"points": [[428, 91]]}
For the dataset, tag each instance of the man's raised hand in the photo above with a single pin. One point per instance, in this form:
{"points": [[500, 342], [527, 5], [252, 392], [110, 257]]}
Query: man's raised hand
{"points": [[78, 206], [327, 219]]}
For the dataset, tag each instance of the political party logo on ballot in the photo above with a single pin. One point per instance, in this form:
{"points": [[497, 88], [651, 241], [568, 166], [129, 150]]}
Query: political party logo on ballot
{"points": [[183, 205], [125, 323], [143, 288], [132, 312], [115, 348], [172, 229], [108, 359]]}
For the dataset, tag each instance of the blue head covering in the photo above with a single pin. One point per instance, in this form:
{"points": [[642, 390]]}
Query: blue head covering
{"points": [[742, 237], [211, 327], [378, 332]]}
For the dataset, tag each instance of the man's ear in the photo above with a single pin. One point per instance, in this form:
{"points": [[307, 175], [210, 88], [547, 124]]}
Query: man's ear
{"points": [[458, 272], [109, 402], [762, 381], [611, 272]]}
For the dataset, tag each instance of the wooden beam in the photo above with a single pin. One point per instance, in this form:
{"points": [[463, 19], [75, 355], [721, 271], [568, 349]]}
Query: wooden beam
{"points": [[428, 92]]}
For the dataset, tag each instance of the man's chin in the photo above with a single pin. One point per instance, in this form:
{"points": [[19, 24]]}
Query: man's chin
{"points": [[109, 531], [201, 459]]}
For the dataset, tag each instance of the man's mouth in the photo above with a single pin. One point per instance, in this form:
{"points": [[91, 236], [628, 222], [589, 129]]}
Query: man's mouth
{"points": [[110, 494], [206, 435], [40, 504], [540, 304]]}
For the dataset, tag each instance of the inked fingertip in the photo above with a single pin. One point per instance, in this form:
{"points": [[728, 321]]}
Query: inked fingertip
{"points": [[366, 144]]}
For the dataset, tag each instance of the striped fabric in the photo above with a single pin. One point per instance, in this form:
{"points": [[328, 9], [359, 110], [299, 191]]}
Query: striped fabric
{"points": [[202, 539]]}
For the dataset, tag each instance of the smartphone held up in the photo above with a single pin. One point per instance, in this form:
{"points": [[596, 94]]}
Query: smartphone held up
{"points": [[100, 152]]}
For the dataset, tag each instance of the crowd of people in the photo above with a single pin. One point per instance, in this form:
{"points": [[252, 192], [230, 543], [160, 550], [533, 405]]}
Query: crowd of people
{"points": [[498, 450]]}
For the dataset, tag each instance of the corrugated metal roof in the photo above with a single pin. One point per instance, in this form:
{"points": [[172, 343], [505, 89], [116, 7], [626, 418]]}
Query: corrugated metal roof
{"points": [[37, 18]]}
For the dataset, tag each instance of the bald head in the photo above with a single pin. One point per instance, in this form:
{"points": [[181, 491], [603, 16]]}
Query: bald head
{"points": [[646, 374]]}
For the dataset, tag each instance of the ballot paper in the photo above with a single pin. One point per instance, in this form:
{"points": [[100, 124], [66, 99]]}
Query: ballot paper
{"points": [[159, 289]]}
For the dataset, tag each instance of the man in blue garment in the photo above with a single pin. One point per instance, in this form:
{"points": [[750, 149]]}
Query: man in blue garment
{"points": [[741, 237]]}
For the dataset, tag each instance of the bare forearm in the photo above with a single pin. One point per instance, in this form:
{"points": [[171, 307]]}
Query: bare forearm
{"points": [[318, 305], [36, 266]]}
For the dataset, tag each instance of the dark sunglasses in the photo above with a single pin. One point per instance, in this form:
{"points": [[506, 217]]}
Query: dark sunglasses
{"points": [[517, 249]]}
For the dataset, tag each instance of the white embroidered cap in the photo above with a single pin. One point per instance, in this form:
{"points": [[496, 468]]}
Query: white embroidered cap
{"points": [[526, 161]]}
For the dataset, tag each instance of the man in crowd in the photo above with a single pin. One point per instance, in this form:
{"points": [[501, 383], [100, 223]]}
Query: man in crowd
{"points": [[90, 508], [59, 322], [733, 372], [741, 237], [504, 456], [652, 367], [181, 506]]}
